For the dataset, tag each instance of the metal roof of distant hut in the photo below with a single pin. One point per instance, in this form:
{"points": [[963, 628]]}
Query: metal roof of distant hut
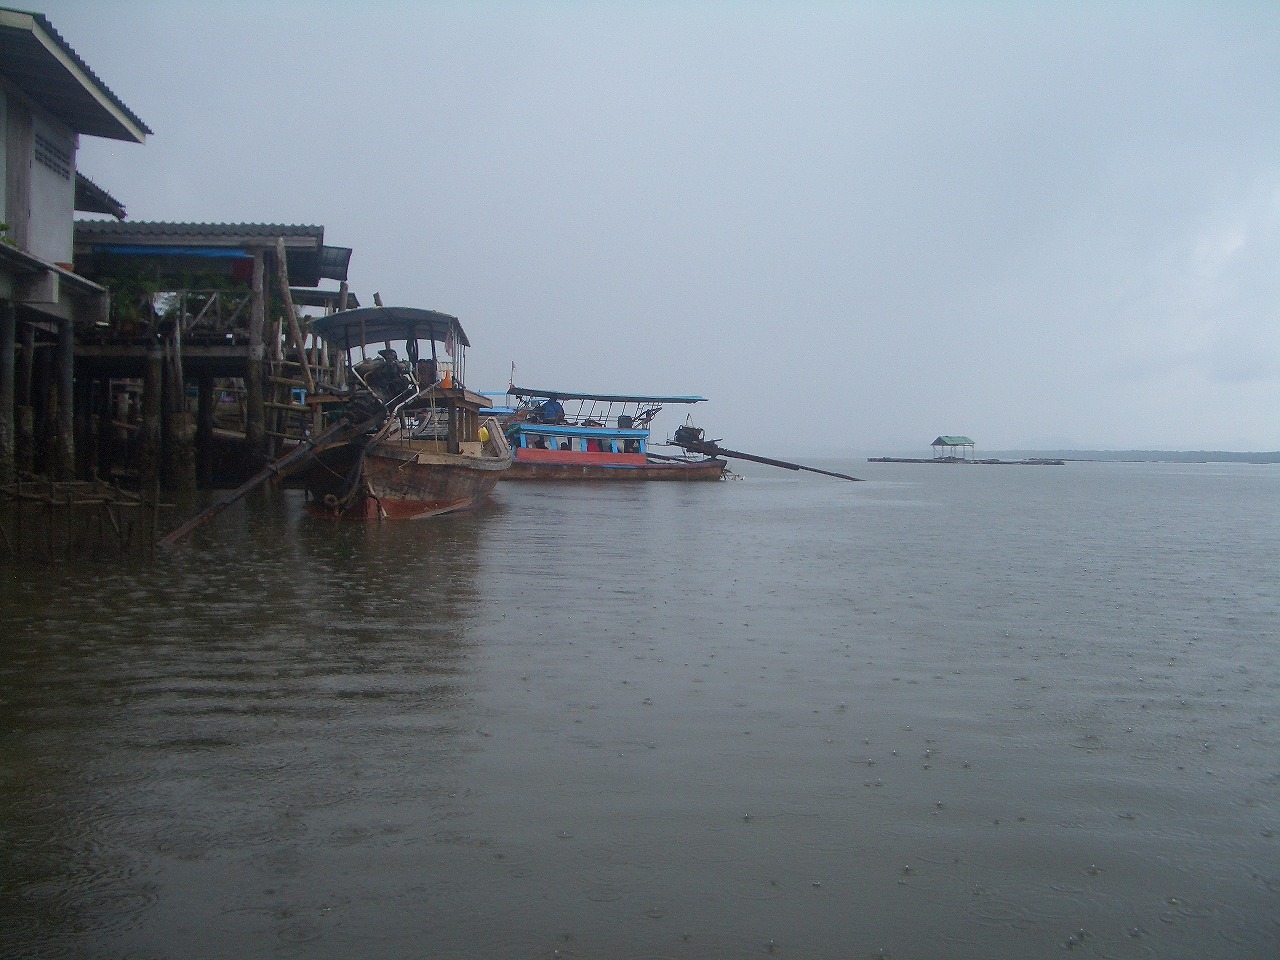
{"points": [[952, 442], [310, 260], [36, 59]]}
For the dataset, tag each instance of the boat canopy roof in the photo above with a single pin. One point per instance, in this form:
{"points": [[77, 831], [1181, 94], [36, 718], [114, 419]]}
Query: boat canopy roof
{"points": [[365, 325], [515, 391]]}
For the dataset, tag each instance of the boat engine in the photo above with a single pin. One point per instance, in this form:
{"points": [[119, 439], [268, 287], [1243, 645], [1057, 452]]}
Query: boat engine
{"points": [[387, 378], [687, 436], [383, 383]]}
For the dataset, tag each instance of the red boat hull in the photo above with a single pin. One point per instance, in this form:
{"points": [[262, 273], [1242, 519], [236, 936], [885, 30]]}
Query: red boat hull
{"points": [[532, 464], [398, 483]]}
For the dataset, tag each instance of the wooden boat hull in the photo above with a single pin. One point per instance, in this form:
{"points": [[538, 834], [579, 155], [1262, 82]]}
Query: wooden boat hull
{"points": [[399, 482], [622, 467]]}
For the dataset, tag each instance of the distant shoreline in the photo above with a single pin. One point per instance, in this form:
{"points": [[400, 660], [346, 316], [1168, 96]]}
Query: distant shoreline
{"points": [[990, 461], [1113, 456]]}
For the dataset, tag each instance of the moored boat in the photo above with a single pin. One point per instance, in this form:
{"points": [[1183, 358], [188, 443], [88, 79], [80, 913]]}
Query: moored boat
{"points": [[561, 435], [428, 449]]}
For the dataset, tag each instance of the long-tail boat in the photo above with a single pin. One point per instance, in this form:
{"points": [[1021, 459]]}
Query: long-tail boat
{"points": [[428, 450], [562, 435]]}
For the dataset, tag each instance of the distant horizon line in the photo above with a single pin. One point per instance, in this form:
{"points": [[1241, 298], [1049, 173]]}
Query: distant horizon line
{"points": [[1115, 453]]}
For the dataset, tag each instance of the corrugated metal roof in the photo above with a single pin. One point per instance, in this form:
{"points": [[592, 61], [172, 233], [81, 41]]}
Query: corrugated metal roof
{"points": [[310, 260], [91, 198], [186, 234], [952, 442], [35, 57], [333, 263]]}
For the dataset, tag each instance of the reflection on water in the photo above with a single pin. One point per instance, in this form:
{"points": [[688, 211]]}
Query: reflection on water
{"points": [[963, 713]]}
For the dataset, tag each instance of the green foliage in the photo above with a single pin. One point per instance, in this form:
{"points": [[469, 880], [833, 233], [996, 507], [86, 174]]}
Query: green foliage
{"points": [[135, 288]]}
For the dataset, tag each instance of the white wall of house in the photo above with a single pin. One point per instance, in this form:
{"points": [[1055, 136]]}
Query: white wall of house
{"points": [[53, 190], [38, 169]]}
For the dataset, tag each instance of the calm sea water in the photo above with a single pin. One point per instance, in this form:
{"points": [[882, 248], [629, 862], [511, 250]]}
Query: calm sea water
{"points": [[952, 712]]}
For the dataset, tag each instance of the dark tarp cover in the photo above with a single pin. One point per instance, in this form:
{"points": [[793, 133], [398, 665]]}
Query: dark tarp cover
{"points": [[376, 324]]}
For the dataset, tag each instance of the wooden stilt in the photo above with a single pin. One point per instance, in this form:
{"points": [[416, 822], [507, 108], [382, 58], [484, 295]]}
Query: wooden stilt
{"points": [[179, 431], [65, 424], [255, 426], [86, 441], [291, 316], [25, 440], [8, 350], [149, 448], [205, 405]]}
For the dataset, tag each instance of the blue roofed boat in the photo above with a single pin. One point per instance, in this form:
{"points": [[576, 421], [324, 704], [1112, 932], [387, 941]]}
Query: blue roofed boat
{"points": [[562, 435]]}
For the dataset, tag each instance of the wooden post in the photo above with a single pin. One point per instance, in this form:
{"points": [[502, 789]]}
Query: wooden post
{"points": [[155, 519], [8, 349], [71, 521], [340, 358], [50, 519], [86, 436], [103, 415], [255, 415], [44, 403], [17, 513], [65, 442], [25, 441], [8, 543], [149, 454], [179, 432], [291, 315], [205, 406]]}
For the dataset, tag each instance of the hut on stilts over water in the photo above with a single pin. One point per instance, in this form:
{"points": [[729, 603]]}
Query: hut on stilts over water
{"points": [[945, 447]]}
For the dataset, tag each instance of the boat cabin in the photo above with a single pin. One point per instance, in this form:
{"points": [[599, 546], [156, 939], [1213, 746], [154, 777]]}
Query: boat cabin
{"points": [[558, 426], [406, 364], [580, 439]]}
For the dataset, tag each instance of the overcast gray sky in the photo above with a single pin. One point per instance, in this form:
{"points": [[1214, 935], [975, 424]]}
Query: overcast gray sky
{"points": [[853, 226]]}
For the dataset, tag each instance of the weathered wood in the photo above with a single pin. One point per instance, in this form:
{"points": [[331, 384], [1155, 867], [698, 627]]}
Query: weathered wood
{"points": [[339, 433], [27, 366], [178, 429], [8, 356], [255, 423], [155, 518], [65, 439], [340, 358], [205, 405], [25, 438], [86, 444], [149, 448], [291, 315]]}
